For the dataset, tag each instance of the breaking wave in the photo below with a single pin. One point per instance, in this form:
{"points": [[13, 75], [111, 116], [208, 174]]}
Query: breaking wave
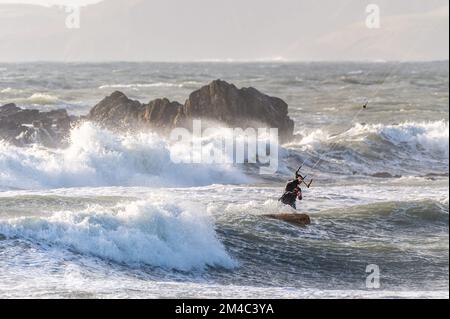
{"points": [[36, 99], [174, 236], [372, 147], [98, 157], [429, 137], [42, 99], [8, 90]]}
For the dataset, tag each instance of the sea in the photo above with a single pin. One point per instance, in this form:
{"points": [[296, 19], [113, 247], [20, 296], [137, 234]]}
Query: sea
{"points": [[110, 215]]}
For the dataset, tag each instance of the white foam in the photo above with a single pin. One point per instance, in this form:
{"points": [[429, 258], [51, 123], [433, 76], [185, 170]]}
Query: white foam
{"points": [[163, 234], [34, 99], [356, 72], [98, 157], [417, 136], [431, 136], [42, 99], [7, 90]]}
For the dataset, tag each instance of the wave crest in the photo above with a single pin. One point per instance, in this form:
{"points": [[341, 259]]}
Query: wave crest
{"points": [[42, 99], [160, 234], [99, 157], [373, 148]]}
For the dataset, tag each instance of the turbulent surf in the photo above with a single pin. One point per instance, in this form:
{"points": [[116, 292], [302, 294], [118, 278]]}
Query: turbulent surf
{"points": [[113, 210]]}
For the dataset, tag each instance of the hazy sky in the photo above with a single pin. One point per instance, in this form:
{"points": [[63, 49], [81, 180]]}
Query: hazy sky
{"points": [[48, 3], [198, 30]]}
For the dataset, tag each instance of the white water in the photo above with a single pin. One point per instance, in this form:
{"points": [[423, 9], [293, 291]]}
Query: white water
{"points": [[159, 233], [408, 148], [35, 99], [431, 137], [112, 216], [98, 157]]}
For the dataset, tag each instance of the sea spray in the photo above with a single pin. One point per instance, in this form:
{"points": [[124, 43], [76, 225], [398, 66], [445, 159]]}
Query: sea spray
{"points": [[163, 234], [99, 157], [417, 136], [409, 148]]}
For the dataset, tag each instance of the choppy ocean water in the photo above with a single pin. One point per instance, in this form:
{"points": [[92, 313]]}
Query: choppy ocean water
{"points": [[112, 216]]}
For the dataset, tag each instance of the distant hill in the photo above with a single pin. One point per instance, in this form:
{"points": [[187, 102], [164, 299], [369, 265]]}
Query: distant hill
{"points": [[171, 30]]}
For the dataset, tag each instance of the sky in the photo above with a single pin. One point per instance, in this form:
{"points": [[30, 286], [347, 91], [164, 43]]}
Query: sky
{"points": [[48, 3], [213, 30]]}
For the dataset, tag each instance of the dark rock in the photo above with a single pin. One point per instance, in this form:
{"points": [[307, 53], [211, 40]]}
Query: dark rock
{"points": [[385, 175], [8, 110], [65, 123], [117, 111], [160, 113], [37, 124], [23, 116], [435, 176], [218, 101], [244, 108], [22, 127]]}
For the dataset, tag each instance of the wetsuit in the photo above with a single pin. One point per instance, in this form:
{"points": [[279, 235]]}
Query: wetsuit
{"points": [[291, 192]]}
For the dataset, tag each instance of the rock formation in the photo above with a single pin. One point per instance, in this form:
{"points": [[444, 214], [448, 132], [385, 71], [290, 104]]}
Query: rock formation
{"points": [[116, 111], [20, 126], [246, 107], [218, 101]]}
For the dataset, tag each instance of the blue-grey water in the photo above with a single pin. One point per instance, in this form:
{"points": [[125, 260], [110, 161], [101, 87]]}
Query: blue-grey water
{"points": [[112, 216]]}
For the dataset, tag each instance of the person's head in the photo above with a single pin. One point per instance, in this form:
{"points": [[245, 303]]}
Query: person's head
{"points": [[300, 178]]}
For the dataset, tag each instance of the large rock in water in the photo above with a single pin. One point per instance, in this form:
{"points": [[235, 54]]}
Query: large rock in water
{"points": [[160, 113], [8, 110], [218, 101], [116, 111], [244, 108], [21, 127]]}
